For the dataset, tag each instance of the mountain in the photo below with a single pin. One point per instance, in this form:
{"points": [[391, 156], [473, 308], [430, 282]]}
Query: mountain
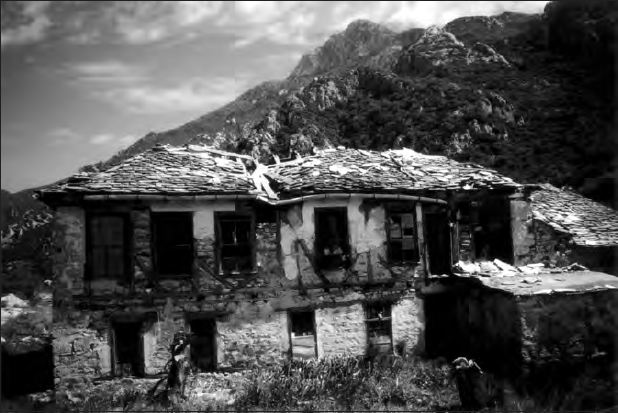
{"points": [[529, 95], [524, 94]]}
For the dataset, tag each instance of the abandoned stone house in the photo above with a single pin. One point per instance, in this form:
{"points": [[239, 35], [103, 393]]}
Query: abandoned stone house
{"points": [[312, 257]]}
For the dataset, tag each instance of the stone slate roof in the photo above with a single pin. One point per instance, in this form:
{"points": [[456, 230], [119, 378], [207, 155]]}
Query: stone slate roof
{"points": [[166, 170], [548, 283], [357, 170], [589, 222]]}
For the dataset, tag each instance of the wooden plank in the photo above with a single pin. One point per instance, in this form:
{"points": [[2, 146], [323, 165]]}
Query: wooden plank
{"points": [[421, 238]]}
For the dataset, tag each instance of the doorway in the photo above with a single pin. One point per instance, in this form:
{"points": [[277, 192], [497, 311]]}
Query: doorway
{"points": [[438, 235], [204, 344]]}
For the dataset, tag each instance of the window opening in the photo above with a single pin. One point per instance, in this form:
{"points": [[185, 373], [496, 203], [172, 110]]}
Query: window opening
{"points": [[379, 328], [302, 334], [173, 235], [235, 239], [331, 237]]}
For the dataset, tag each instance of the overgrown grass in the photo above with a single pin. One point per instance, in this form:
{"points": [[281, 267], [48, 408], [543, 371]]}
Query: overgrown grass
{"points": [[351, 383]]}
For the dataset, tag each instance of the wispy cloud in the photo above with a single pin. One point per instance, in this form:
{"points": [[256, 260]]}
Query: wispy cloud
{"points": [[23, 22], [62, 136], [105, 71], [192, 94], [110, 138]]}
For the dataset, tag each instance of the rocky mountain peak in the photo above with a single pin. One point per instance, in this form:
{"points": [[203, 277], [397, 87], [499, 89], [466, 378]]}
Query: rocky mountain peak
{"points": [[357, 45]]}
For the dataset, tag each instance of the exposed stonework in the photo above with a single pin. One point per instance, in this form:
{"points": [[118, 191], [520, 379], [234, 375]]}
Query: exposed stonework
{"points": [[69, 257]]}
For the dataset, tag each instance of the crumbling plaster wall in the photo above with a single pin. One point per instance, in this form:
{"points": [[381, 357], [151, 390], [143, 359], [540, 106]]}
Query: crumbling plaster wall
{"points": [[367, 238]]}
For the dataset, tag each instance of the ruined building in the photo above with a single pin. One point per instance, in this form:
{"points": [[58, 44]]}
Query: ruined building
{"points": [[312, 257]]}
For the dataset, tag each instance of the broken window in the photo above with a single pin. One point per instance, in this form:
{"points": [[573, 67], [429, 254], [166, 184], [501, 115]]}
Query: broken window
{"points": [[379, 329], [302, 334], [235, 242], [107, 239], [203, 344], [331, 237], [127, 348], [173, 242], [402, 239]]}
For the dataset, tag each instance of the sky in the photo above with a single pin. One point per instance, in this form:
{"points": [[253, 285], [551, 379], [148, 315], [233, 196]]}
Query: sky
{"points": [[81, 80]]}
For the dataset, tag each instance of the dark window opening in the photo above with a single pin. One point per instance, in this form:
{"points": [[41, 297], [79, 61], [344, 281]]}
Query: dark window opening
{"points": [[128, 349], [402, 237], [492, 230], [203, 344], [18, 372], [379, 328], [235, 240], [107, 252], [331, 237], [302, 334], [173, 241]]}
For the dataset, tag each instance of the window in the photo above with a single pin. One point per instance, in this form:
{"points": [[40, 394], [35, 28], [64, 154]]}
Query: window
{"points": [[128, 349], [173, 242], [331, 237], [302, 334], [402, 240], [235, 242], [107, 252], [203, 344], [379, 329]]}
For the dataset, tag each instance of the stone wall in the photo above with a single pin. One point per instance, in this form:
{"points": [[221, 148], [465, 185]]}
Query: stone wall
{"points": [[341, 330], [524, 244], [408, 324], [69, 255], [255, 336]]}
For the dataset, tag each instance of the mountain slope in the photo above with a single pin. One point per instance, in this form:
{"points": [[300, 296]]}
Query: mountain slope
{"points": [[505, 91]]}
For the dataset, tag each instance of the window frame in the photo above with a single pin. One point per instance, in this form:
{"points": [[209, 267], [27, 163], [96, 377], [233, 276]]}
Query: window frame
{"points": [[188, 215], [126, 240], [230, 215], [401, 210], [368, 306], [318, 247]]}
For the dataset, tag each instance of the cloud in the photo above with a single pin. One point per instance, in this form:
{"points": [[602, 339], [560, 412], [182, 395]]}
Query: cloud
{"points": [[105, 71], [62, 136], [23, 22], [189, 95], [286, 23]]}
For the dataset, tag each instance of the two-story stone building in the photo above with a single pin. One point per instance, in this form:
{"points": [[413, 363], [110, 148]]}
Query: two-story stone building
{"points": [[312, 257]]}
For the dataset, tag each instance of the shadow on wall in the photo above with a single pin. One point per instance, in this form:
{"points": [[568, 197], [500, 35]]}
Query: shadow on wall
{"points": [[25, 373], [482, 325], [559, 350]]}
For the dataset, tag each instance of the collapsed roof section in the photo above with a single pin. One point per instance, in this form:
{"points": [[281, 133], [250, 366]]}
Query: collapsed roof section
{"points": [[589, 223], [198, 170]]}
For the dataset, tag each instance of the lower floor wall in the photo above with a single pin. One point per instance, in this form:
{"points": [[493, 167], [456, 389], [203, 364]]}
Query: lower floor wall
{"points": [[88, 345]]}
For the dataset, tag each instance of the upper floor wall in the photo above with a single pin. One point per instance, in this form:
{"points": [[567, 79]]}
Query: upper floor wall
{"points": [[212, 247]]}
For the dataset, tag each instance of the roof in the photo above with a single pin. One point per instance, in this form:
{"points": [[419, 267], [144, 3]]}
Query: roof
{"points": [[558, 283], [404, 170], [166, 170], [196, 170], [589, 223]]}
